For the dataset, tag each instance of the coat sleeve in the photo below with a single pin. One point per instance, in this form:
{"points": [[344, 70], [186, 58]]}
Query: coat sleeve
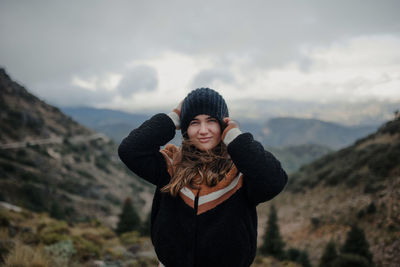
{"points": [[263, 175], [140, 150]]}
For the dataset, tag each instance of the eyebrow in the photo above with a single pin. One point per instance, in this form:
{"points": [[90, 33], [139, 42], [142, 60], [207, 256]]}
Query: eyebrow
{"points": [[209, 117]]}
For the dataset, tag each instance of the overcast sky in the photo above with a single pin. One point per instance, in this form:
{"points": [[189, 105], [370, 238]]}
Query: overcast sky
{"points": [[138, 55]]}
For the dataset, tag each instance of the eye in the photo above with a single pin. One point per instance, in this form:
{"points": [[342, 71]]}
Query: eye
{"points": [[193, 122], [212, 120]]}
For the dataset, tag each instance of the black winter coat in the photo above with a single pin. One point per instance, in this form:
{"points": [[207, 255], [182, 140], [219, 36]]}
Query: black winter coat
{"points": [[207, 227]]}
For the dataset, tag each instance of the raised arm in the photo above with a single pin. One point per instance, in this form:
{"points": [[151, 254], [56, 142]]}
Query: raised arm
{"points": [[140, 150], [263, 175]]}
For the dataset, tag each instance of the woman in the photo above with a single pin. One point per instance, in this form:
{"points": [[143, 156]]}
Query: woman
{"points": [[204, 207]]}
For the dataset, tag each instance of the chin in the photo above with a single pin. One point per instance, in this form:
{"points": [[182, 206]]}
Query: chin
{"points": [[205, 147]]}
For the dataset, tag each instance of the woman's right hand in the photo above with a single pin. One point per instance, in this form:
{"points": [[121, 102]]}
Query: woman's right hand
{"points": [[175, 114], [178, 108]]}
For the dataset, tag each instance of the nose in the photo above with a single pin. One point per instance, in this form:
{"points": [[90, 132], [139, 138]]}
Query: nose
{"points": [[203, 128]]}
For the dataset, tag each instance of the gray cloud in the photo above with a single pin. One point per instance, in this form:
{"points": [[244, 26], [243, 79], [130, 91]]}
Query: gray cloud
{"points": [[51, 41], [63, 94], [140, 78], [207, 77]]}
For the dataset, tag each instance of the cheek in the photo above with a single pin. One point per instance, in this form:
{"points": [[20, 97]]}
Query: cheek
{"points": [[217, 130], [191, 132]]}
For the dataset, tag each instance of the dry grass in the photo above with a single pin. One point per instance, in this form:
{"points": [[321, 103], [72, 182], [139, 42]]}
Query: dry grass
{"points": [[25, 256], [379, 139]]}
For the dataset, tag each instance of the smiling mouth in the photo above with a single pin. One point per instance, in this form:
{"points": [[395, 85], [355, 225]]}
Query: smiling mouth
{"points": [[204, 140]]}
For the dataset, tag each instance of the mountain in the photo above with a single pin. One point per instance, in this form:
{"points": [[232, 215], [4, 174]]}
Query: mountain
{"points": [[359, 184], [294, 141], [113, 123], [51, 163], [278, 132], [293, 157], [348, 112]]}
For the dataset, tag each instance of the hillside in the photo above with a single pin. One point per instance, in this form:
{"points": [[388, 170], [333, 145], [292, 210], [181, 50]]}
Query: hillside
{"points": [[293, 157], [51, 163], [359, 184]]}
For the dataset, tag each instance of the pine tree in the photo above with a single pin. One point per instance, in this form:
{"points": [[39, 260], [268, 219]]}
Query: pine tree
{"points": [[129, 219], [56, 212], [273, 243], [145, 227], [357, 244], [329, 255], [304, 259], [298, 256]]}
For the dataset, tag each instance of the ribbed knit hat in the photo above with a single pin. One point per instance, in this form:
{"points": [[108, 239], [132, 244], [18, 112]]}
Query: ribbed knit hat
{"points": [[202, 101]]}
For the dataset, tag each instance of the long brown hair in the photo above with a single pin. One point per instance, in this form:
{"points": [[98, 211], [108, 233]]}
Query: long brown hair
{"points": [[193, 166]]}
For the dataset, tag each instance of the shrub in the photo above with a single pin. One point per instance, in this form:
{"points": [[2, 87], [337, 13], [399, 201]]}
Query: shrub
{"points": [[315, 221], [371, 208], [7, 167], [382, 163], [391, 127], [61, 252], [28, 176], [73, 187], [51, 238], [351, 260], [292, 254], [95, 239], [4, 221], [54, 232], [56, 211], [85, 249], [102, 162], [5, 247], [298, 256], [85, 174], [35, 197], [130, 238], [112, 199]]}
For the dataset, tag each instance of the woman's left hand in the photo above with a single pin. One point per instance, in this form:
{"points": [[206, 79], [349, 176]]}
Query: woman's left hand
{"points": [[229, 121]]}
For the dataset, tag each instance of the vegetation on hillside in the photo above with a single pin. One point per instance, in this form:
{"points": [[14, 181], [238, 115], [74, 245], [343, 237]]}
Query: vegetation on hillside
{"points": [[274, 246], [354, 252], [358, 185], [293, 157], [369, 161], [34, 239]]}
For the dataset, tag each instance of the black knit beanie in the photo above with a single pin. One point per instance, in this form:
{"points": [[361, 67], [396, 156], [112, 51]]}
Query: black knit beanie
{"points": [[202, 101]]}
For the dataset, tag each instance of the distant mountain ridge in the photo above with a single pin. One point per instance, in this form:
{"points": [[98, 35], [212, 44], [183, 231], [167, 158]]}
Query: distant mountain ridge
{"points": [[276, 132], [286, 131]]}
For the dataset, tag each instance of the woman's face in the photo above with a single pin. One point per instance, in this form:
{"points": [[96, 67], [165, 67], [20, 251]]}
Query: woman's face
{"points": [[204, 132]]}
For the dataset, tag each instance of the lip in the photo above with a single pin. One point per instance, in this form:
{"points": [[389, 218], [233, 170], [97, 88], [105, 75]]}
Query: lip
{"points": [[204, 140]]}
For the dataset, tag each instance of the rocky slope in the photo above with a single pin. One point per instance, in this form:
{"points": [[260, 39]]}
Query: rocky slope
{"points": [[359, 184], [49, 162]]}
